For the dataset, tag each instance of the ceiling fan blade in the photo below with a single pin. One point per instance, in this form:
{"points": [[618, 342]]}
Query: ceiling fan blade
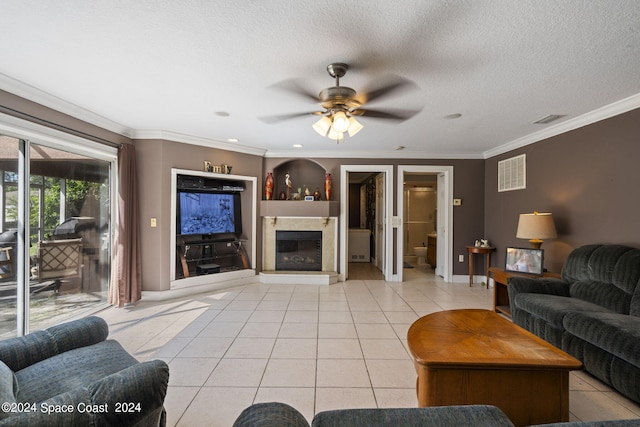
{"points": [[390, 85], [294, 86], [281, 117], [399, 115]]}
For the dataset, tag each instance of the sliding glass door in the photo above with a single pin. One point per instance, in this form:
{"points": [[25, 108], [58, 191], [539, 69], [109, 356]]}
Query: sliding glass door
{"points": [[55, 252], [8, 236]]}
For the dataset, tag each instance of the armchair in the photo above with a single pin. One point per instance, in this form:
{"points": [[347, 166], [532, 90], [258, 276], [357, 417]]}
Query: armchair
{"points": [[70, 374]]}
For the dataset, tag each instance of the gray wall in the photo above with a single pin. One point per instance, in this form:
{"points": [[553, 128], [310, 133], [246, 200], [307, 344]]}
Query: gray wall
{"points": [[155, 158], [588, 178], [468, 185], [19, 107]]}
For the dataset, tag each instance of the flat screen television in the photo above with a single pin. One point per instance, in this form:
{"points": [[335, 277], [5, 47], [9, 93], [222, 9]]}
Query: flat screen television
{"points": [[216, 215]]}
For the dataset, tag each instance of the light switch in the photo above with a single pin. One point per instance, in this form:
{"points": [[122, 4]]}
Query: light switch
{"points": [[154, 222]]}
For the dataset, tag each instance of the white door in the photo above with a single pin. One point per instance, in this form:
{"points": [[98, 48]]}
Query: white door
{"points": [[380, 242], [441, 227], [387, 229], [444, 217]]}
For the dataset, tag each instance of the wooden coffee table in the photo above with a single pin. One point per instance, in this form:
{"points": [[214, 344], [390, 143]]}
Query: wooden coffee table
{"points": [[478, 357]]}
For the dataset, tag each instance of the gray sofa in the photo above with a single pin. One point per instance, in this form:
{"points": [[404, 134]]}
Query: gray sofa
{"points": [[70, 374], [592, 313], [276, 414]]}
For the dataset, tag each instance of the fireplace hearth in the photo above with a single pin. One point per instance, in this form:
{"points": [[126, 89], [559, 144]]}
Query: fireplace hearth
{"points": [[298, 250]]}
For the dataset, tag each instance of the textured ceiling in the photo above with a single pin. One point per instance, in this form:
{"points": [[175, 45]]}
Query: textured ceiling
{"points": [[151, 66]]}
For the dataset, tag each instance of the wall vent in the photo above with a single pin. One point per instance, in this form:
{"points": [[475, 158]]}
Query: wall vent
{"points": [[512, 173], [548, 119]]}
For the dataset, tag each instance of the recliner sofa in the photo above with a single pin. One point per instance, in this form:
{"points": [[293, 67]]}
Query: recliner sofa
{"points": [[277, 414], [70, 374], [592, 312]]}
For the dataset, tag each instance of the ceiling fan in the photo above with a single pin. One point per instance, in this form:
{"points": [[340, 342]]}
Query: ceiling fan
{"points": [[341, 104]]}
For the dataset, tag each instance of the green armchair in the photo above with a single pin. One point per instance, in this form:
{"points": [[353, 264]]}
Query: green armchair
{"points": [[70, 374]]}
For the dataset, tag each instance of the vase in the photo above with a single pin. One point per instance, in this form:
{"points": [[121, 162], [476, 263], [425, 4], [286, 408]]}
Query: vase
{"points": [[268, 186], [327, 186]]}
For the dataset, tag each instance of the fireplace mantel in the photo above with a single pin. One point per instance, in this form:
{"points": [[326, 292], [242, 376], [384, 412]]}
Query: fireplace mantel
{"points": [[299, 208]]}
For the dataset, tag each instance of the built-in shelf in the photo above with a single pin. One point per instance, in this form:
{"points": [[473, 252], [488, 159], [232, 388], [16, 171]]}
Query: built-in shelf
{"points": [[212, 252], [319, 208]]}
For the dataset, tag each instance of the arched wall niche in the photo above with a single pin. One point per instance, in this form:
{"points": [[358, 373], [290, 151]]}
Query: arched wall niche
{"points": [[304, 173]]}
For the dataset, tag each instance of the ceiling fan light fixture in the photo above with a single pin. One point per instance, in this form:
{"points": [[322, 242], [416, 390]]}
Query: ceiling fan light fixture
{"points": [[322, 126], [354, 126], [340, 122]]}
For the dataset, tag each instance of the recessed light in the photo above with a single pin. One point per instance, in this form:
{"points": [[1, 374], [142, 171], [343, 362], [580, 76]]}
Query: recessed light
{"points": [[400, 147], [222, 114], [232, 140], [453, 116], [298, 145]]}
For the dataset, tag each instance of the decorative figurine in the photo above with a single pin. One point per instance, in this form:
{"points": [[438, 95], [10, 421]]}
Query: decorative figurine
{"points": [[287, 181]]}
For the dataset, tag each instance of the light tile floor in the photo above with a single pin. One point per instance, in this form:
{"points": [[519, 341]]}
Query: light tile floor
{"points": [[314, 347]]}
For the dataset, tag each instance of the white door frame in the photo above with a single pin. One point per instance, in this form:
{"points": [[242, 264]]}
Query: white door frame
{"points": [[344, 216], [444, 218], [379, 236]]}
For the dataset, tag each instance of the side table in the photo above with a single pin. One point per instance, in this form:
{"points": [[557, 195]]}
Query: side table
{"points": [[479, 250], [500, 287]]}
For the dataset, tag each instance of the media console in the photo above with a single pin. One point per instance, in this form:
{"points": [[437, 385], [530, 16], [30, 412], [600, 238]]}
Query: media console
{"points": [[195, 255]]}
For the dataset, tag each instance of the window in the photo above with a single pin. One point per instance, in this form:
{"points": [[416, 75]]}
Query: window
{"points": [[62, 269]]}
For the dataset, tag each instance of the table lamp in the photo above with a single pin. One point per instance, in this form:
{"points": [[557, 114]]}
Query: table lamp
{"points": [[536, 227]]}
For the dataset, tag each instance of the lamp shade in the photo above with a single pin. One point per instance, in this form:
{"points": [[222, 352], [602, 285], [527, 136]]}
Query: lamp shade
{"points": [[354, 126], [340, 122], [322, 126], [536, 227]]}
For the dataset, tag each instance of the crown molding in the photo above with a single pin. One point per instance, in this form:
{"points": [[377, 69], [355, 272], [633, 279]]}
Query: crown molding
{"points": [[41, 97], [196, 140], [608, 111]]}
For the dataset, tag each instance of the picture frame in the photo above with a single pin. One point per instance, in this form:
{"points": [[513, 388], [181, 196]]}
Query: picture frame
{"points": [[524, 260]]}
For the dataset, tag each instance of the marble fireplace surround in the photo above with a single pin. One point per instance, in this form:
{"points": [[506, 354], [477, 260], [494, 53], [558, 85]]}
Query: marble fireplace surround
{"points": [[329, 228]]}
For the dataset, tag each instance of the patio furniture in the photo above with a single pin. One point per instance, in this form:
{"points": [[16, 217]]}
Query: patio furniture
{"points": [[6, 263], [57, 261]]}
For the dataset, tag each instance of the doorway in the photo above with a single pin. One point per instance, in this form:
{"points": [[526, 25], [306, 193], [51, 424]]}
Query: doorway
{"points": [[419, 220], [418, 228], [377, 211]]}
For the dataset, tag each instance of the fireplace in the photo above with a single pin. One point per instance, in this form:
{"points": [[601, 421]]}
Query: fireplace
{"points": [[298, 250]]}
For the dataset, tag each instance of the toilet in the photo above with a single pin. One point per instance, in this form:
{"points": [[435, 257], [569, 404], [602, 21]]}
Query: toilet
{"points": [[421, 253]]}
